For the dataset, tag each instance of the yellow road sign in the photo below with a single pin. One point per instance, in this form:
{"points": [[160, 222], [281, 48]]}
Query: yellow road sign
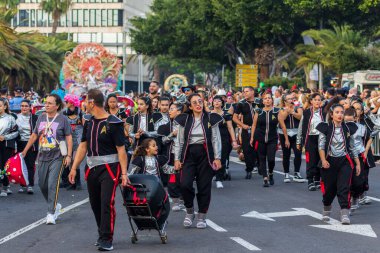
{"points": [[247, 66], [247, 75]]}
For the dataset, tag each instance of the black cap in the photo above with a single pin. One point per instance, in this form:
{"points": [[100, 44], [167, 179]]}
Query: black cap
{"points": [[18, 89], [3, 90], [191, 87]]}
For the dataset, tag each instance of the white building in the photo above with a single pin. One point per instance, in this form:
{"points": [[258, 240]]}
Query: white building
{"points": [[100, 21]]}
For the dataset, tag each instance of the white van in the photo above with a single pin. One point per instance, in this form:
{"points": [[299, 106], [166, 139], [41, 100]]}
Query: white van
{"points": [[363, 79]]}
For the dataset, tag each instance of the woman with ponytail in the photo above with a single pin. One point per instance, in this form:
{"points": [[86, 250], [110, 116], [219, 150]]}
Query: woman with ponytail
{"points": [[367, 155], [335, 146], [264, 137], [144, 123], [307, 136], [197, 154]]}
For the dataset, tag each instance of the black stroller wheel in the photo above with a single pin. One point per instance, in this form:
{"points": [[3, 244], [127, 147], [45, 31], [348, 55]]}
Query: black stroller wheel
{"points": [[133, 239], [164, 239]]}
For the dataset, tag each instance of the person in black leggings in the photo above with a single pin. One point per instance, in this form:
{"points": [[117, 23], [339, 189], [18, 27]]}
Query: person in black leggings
{"points": [[228, 138], [264, 137], [289, 119], [337, 164], [197, 154]]}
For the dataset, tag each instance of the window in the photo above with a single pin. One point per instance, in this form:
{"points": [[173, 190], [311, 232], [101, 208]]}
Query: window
{"points": [[50, 19], [120, 18], [86, 18], [109, 20], [104, 18], [32, 18], [80, 18], [74, 17], [42, 18], [98, 17], [92, 18], [24, 18]]}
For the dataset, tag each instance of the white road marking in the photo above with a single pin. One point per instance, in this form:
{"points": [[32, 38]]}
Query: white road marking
{"points": [[39, 222], [374, 199], [215, 226], [358, 229], [245, 244]]}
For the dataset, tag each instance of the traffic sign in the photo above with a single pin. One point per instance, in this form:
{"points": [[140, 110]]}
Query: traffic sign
{"points": [[247, 75]]}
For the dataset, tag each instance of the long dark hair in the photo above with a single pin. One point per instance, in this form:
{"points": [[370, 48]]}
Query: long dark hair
{"points": [[6, 104], [141, 149], [106, 106], [148, 102], [362, 109], [334, 100], [189, 111], [332, 108]]}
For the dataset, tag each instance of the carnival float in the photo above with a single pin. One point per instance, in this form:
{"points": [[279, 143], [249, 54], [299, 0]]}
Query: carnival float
{"points": [[90, 66]]}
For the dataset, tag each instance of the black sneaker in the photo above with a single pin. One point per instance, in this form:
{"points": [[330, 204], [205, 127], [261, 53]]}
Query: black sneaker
{"points": [[317, 184], [312, 187], [105, 246], [249, 175], [271, 179], [266, 183]]}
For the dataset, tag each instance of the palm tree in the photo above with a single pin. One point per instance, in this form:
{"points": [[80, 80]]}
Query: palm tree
{"points": [[57, 8], [331, 49], [30, 59]]}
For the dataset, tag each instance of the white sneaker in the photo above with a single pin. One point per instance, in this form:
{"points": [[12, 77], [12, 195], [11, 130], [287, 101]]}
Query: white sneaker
{"points": [[176, 207], [255, 170], [219, 184], [30, 190], [9, 191], [287, 178], [181, 204], [58, 208], [3, 193], [22, 189], [50, 220]]}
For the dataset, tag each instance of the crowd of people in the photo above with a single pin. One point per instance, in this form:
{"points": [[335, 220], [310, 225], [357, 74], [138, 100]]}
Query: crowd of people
{"points": [[188, 137]]}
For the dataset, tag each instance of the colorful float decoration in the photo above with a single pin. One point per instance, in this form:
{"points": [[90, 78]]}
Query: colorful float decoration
{"points": [[90, 66]]}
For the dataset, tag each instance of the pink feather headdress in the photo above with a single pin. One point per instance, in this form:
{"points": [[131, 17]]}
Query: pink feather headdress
{"points": [[72, 99]]}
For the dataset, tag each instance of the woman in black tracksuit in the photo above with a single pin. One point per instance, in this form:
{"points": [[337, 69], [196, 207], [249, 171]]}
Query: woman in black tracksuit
{"points": [[169, 133], [307, 136], [367, 155], [264, 137], [197, 154], [336, 162], [228, 138], [289, 119], [143, 124]]}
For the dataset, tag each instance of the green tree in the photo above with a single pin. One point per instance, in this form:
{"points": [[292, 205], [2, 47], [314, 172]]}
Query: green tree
{"points": [[56, 8], [30, 59], [340, 50]]}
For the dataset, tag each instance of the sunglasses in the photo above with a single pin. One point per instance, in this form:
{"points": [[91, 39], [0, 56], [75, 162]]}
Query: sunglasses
{"points": [[186, 89]]}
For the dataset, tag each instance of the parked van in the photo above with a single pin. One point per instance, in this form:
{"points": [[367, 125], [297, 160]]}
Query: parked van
{"points": [[363, 79]]}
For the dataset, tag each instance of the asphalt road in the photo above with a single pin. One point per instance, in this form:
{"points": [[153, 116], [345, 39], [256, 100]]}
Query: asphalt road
{"points": [[282, 218]]}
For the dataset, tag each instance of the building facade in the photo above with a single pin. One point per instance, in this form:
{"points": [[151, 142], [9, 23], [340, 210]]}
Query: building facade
{"points": [[99, 21]]}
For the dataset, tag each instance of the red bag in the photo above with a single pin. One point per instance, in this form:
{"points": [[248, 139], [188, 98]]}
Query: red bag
{"points": [[16, 170]]}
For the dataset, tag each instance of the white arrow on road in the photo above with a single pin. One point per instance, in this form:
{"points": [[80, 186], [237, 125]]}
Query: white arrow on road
{"points": [[359, 229]]}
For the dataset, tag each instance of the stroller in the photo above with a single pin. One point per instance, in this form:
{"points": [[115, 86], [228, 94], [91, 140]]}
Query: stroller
{"points": [[147, 204]]}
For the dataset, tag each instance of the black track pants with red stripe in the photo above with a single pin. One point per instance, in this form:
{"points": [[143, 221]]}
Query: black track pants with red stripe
{"points": [[101, 189], [196, 167], [336, 181], [312, 159]]}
